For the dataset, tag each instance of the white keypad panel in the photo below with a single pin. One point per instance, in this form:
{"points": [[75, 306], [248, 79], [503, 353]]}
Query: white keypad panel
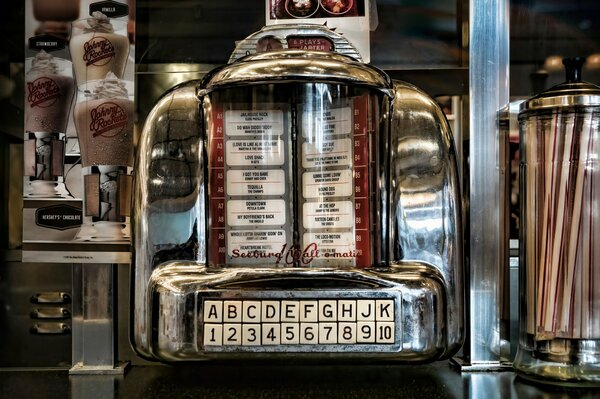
{"points": [[280, 323]]}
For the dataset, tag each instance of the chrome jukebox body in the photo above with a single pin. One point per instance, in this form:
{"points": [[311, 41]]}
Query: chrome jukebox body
{"points": [[297, 203]]}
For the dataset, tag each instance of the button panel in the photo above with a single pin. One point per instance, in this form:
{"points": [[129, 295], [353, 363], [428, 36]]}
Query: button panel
{"points": [[287, 324]]}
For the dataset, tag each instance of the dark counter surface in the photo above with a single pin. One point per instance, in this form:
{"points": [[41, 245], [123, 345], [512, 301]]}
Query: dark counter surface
{"points": [[438, 380]]}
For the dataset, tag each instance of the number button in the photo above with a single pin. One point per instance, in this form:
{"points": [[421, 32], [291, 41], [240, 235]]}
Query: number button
{"points": [[328, 333], [365, 333], [290, 333], [251, 334], [309, 333], [213, 335], [270, 334], [385, 332], [347, 333], [232, 334]]}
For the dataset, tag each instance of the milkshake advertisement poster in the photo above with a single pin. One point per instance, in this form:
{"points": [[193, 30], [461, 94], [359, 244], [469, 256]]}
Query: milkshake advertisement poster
{"points": [[351, 18], [78, 130]]}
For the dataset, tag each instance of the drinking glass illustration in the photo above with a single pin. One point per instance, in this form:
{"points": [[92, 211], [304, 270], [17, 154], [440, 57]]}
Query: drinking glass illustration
{"points": [[103, 118], [98, 45], [49, 92]]}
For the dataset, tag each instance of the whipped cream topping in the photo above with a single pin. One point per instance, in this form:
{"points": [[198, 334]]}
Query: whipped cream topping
{"points": [[100, 23], [43, 64], [109, 87]]}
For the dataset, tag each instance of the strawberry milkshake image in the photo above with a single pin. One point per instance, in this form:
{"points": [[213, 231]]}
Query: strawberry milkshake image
{"points": [[49, 90]]}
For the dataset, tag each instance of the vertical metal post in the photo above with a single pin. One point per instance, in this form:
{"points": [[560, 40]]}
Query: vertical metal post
{"points": [[488, 94], [95, 320]]}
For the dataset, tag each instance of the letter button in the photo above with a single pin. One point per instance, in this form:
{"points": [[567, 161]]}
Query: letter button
{"points": [[213, 311], [346, 310], [384, 310], [290, 311], [365, 310], [327, 311], [251, 312], [270, 311], [232, 311], [309, 311]]}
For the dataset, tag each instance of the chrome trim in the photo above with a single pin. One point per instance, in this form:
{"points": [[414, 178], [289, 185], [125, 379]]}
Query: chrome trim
{"points": [[50, 328], [425, 202], [50, 313], [168, 208], [564, 101], [296, 65], [418, 288], [51, 297]]}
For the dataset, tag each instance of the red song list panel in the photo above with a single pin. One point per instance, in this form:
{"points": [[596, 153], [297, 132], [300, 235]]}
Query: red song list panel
{"points": [[284, 198]]}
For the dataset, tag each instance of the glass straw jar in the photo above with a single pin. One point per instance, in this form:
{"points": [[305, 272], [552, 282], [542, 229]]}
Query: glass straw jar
{"points": [[560, 232]]}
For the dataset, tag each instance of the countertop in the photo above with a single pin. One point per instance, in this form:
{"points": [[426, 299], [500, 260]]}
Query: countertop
{"points": [[438, 380]]}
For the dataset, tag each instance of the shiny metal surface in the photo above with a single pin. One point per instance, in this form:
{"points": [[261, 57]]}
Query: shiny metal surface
{"points": [[168, 207], [538, 104], [489, 93], [297, 65], [94, 319], [569, 94], [50, 313], [50, 328], [177, 289], [425, 205], [419, 242], [51, 297]]}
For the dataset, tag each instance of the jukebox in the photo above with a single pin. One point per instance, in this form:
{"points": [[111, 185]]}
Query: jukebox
{"points": [[296, 202]]}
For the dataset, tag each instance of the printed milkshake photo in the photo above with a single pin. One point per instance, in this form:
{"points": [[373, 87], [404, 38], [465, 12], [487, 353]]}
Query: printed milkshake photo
{"points": [[104, 121], [98, 45], [49, 92]]}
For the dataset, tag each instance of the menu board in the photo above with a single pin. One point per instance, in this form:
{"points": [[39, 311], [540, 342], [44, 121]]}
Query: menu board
{"points": [[78, 130]]}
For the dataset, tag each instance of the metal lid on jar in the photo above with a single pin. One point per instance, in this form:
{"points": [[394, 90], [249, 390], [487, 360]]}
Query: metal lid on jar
{"points": [[572, 93], [297, 66]]}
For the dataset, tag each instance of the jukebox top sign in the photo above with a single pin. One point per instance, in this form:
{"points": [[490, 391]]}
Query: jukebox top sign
{"points": [[297, 202]]}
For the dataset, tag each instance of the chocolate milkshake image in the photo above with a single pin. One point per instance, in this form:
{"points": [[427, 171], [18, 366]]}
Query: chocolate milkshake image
{"points": [[55, 16], [56, 10], [103, 117], [49, 93], [98, 45], [49, 90], [104, 122]]}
